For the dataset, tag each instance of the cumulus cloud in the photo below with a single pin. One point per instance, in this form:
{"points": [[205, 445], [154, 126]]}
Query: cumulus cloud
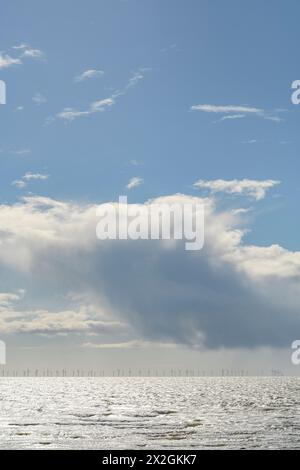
{"points": [[227, 295], [251, 188], [13, 319]]}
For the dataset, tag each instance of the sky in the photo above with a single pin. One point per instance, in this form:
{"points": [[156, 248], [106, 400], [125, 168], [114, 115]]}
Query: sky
{"points": [[168, 101]]}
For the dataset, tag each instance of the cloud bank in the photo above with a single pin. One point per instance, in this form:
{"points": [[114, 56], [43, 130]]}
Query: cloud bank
{"points": [[228, 295]]}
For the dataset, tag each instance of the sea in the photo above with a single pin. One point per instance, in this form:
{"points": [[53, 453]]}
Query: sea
{"points": [[150, 413]]}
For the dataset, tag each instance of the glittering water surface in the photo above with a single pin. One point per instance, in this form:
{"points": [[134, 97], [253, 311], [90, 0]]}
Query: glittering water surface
{"points": [[164, 413]]}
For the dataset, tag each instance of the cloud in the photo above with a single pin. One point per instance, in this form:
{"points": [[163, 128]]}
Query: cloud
{"points": [[236, 112], [39, 99], [21, 152], [133, 81], [228, 295], [69, 114], [135, 162], [21, 46], [250, 142], [32, 53], [251, 188], [134, 182], [210, 108], [231, 116], [91, 73], [35, 176], [22, 183], [7, 61], [133, 344], [14, 319], [26, 51]]}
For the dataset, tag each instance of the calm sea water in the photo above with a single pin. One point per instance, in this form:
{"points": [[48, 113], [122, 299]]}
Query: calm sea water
{"points": [[145, 413]]}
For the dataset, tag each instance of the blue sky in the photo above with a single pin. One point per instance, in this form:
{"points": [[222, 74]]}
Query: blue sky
{"points": [[151, 63], [200, 52]]}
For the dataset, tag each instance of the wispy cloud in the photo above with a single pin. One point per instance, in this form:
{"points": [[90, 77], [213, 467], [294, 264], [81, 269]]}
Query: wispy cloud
{"points": [[21, 46], [135, 162], [7, 61], [137, 76], [69, 114], [134, 182], [211, 108], [21, 152], [253, 188], [250, 142], [33, 53], [24, 51], [236, 112], [91, 73], [39, 99], [169, 48], [231, 116], [22, 183], [35, 176]]}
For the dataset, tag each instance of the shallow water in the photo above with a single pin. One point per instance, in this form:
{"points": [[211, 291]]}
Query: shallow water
{"points": [[145, 413]]}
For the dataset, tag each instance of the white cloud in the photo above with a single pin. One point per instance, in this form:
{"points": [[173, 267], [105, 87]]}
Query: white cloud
{"points": [[252, 188], [236, 112], [134, 182], [91, 73], [33, 53], [232, 116], [135, 162], [26, 52], [35, 176], [22, 183], [21, 46], [210, 108], [133, 81], [251, 141], [85, 319], [7, 61], [69, 114]]}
